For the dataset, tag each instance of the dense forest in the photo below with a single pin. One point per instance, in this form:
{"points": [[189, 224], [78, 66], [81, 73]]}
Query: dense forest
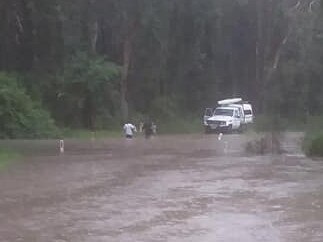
{"points": [[93, 63]]}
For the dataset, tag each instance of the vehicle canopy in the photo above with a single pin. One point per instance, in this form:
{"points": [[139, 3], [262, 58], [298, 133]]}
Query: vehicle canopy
{"points": [[236, 102], [229, 101], [245, 108]]}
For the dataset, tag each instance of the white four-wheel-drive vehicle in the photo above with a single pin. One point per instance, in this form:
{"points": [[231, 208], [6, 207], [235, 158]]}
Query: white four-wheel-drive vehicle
{"points": [[230, 115]]}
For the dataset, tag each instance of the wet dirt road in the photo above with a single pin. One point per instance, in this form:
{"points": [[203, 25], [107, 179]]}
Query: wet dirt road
{"points": [[178, 188]]}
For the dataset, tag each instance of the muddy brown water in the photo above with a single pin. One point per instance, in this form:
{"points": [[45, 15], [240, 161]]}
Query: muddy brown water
{"points": [[171, 188]]}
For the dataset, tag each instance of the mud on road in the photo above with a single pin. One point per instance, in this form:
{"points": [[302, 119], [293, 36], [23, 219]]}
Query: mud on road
{"points": [[172, 188]]}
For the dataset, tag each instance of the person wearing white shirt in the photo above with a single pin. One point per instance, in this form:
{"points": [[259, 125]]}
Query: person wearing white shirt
{"points": [[129, 130]]}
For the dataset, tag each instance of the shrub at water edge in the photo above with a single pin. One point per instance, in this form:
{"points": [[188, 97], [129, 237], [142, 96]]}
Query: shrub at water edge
{"points": [[20, 116]]}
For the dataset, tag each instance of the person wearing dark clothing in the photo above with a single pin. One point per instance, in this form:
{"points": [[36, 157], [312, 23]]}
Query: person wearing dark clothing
{"points": [[148, 129]]}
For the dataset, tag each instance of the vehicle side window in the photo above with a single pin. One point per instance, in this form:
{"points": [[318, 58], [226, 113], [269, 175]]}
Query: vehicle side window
{"points": [[247, 112], [236, 113], [240, 112]]}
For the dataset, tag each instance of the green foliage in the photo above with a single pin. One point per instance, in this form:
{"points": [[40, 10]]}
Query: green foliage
{"points": [[314, 147], [93, 72], [90, 90], [270, 123], [20, 117], [176, 56], [87, 134], [314, 124], [171, 119], [7, 156], [164, 108], [312, 143], [180, 125]]}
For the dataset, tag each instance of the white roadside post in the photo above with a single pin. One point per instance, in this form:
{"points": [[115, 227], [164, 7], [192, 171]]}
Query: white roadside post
{"points": [[61, 146], [220, 136], [226, 147], [226, 144], [92, 136]]}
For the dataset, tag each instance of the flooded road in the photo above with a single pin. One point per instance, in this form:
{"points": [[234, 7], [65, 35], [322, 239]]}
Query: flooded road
{"points": [[172, 188]]}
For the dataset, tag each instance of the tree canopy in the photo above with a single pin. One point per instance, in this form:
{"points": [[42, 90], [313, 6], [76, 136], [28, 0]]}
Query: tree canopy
{"points": [[89, 62]]}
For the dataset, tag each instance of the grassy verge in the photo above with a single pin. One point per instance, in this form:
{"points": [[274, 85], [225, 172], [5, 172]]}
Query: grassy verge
{"points": [[268, 123], [313, 143], [180, 126], [171, 126], [6, 157], [313, 140], [88, 134]]}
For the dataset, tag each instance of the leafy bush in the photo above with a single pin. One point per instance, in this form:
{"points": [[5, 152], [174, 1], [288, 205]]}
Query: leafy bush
{"points": [[171, 119], [89, 92], [20, 116], [270, 123], [88, 134], [6, 156], [315, 146], [314, 124], [184, 125], [164, 108], [313, 140], [269, 143]]}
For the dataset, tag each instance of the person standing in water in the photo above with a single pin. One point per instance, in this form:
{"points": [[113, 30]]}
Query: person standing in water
{"points": [[148, 129], [129, 130], [154, 128]]}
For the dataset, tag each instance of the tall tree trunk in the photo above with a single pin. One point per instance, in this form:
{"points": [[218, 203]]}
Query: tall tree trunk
{"points": [[233, 71], [124, 78], [90, 25], [260, 56], [131, 29], [94, 31]]}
